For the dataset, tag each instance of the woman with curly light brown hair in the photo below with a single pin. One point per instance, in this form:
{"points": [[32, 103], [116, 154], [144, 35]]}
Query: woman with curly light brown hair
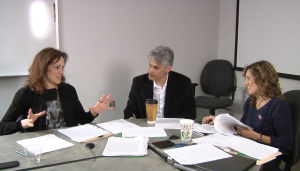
{"points": [[266, 110]]}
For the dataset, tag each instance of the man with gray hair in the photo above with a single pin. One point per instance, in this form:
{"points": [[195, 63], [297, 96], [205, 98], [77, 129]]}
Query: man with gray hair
{"points": [[173, 91]]}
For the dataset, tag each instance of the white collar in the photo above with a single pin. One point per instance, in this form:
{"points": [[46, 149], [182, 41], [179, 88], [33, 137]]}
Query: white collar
{"points": [[157, 86]]}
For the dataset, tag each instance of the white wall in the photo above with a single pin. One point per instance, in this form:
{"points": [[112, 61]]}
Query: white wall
{"points": [[107, 49], [8, 87], [226, 51], [108, 43]]}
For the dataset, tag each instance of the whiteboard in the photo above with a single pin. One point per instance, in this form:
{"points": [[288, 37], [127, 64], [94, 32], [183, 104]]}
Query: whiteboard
{"points": [[27, 26], [269, 30]]}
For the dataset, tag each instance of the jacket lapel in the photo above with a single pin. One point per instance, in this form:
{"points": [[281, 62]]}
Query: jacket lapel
{"points": [[169, 94], [149, 89]]}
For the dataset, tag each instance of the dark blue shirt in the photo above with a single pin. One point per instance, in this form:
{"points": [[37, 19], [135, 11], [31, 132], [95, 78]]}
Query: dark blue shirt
{"points": [[274, 119]]}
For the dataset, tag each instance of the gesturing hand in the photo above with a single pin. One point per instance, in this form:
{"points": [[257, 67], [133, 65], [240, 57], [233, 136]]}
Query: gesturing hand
{"points": [[101, 105], [29, 122]]}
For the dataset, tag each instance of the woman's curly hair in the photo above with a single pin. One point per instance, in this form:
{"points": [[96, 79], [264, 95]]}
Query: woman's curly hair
{"points": [[266, 78]]}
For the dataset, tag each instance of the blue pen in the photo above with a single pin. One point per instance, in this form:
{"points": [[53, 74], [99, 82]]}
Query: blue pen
{"points": [[20, 153], [183, 144]]}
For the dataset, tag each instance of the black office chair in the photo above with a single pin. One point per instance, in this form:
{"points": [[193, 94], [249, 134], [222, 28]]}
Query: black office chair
{"points": [[294, 154], [217, 79]]}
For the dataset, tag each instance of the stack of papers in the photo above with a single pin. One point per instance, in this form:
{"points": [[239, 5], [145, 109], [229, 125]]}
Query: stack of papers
{"points": [[224, 128], [243, 145], [48, 142], [249, 147], [117, 126], [117, 146], [150, 132], [83, 133], [196, 154]]}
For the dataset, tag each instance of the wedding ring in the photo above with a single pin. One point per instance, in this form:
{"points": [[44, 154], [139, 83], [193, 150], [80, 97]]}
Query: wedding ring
{"points": [[240, 128], [100, 101]]}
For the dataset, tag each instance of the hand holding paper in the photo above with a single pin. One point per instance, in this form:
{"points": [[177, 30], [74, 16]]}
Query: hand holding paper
{"points": [[224, 124]]}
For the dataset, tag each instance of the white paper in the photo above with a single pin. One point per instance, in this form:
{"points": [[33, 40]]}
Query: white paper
{"points": [[149, 132], [49, 142], [168, 123], [249, 147], [196, 154], [117, 146], [117, 126], [205, 128], [243, 145], [224, 124], [214, 139], [83, 132]]}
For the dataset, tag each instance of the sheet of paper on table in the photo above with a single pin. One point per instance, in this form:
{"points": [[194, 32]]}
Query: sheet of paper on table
{"points": [[196, 154], [150, 132], [49, 142], [83, 133], [117, 126], [168, 123]]}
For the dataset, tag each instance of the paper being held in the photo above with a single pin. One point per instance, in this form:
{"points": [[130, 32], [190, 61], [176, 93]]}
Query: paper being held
{"points": [[224, 124]]}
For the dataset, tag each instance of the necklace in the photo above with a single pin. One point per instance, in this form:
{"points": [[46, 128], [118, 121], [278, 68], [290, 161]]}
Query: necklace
{"points": [[262, 102], [57, 106]]}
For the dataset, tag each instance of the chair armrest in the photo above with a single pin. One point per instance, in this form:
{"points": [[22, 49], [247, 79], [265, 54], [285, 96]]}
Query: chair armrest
{"points": [[233, 89], [285, 154], [194, 84], [194, 87]]}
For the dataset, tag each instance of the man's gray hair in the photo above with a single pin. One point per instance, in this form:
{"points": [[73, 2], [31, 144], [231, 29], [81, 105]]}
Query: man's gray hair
{"points": [[162, 55]]}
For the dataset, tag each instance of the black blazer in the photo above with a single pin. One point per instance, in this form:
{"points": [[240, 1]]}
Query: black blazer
{"points": [[25, 99], [179, 102]]}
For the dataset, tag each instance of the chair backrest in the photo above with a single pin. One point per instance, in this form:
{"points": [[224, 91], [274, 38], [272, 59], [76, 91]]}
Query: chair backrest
{"points": [[294, 97], [217, 78]]}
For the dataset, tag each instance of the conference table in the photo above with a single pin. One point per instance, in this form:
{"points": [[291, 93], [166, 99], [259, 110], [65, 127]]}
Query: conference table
{"points": [[78, 157]]}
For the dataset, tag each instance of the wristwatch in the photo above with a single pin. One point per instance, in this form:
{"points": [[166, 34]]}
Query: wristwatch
{"points": [[260, 139]]}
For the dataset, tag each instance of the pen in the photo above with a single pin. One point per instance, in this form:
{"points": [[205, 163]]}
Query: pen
{"points": [[198, 133], [134, 116], [20, 153], [183, 144]]}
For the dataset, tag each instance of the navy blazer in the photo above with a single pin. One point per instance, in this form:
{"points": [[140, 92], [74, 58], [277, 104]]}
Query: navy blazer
{"points": [[179, 101], [274, 119]]}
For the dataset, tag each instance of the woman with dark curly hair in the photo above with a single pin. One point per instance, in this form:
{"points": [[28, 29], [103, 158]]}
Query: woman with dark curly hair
{"points": [[46, 101], [266, 110]]}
